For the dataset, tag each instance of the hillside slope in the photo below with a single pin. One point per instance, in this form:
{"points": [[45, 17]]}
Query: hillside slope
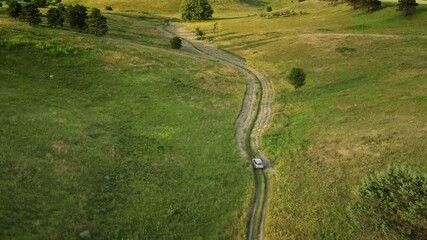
{"points": [[118, 135], [172, 6], [363, 107]]}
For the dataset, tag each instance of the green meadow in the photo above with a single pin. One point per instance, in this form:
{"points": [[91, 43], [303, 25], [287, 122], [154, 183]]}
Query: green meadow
{"points": [[117, 135], [125, 138], [363, 106]]}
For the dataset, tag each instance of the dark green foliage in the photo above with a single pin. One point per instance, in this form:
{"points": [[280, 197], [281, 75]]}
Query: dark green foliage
{"points": [[108, 8], [407, 7], [55, 17], [394, 203], [176, 43], [40, 3], [200, 34], [269, 9], [297, 77], [14, 9], [369, 5], [196, 10], [31, 14], [97, 23], [1, 4], [76, 16]]}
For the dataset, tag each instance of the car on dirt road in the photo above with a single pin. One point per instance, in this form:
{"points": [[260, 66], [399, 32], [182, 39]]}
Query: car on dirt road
{"points": [[257, 162]]}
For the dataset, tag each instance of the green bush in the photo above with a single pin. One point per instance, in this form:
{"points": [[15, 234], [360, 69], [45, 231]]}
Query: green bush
{"points": [[109, 8], [393, 203], [55, 17], [97, 23], [14, 8], [297, 77], [31, 14], [176, 43], [76, 16], [196, 10], [269, 9]]}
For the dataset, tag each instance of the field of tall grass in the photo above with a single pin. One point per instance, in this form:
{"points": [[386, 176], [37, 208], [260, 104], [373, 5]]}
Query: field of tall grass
{"points": [[116, 137], [363, 106]]}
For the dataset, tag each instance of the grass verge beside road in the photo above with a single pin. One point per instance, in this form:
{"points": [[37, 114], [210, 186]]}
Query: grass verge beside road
{"points": [[102, 134]]}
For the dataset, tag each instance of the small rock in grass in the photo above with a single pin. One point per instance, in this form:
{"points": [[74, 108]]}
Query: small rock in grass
{"points": [[85, 235]]}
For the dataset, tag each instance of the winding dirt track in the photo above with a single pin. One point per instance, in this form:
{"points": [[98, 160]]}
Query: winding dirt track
{"points": [[255, 115]]}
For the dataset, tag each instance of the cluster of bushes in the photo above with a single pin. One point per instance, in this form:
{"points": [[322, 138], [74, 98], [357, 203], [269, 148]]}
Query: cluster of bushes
{"points": [[196, 10], [286, 13], [369, 5], [76, 16], [407, 7]]}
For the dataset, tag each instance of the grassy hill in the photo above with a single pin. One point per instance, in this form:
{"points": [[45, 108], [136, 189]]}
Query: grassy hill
{"points": [[172, 6], [117, 135], [363, 106]]}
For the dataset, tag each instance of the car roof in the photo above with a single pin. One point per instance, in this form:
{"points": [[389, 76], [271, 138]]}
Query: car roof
{"points": [[257, 160]]}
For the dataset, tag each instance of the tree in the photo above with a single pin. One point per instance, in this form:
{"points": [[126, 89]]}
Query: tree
{"points": [[393, 202], [407, 7], [269, 9], [370, 5], [297, 77], [196, 10], [55, 17], [40, 3], [76, 16], [176, 43], [14, 9], [97, 23], [31, 14]]}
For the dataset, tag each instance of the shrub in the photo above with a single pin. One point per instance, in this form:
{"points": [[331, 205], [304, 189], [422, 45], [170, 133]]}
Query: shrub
{"points": [[97, 23], [407, 7], [31, 14], [196, 10], [269, 9], [393, 202], [14, 9], [1, 4], [55, 17], [297, 77], [109, 8], [176, 43], [199, 32], [76, 16]]}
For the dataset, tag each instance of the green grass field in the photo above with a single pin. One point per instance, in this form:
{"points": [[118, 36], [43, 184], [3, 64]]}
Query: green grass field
{"points": [[108, 135], [363, 107], [172, 6], [117, 136]]}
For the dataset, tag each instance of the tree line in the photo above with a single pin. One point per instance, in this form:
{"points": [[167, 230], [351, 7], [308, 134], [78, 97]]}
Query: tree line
{"points": [[75, 15], [407, 7]]}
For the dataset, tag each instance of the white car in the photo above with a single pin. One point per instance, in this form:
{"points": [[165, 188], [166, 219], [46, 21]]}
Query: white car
{"points": [[257, 162]]}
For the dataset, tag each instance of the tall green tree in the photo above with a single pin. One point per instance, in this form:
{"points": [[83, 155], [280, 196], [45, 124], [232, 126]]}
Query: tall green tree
{"points": [[407, 7], [196, 10], [297, 77], [31, 14], [394, 203], [97, 23], [14, 9], [76, 16], [55, 17]]}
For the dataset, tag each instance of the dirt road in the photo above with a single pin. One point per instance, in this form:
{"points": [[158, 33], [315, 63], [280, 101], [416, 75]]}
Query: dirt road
{"points": [[253, 119]]}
